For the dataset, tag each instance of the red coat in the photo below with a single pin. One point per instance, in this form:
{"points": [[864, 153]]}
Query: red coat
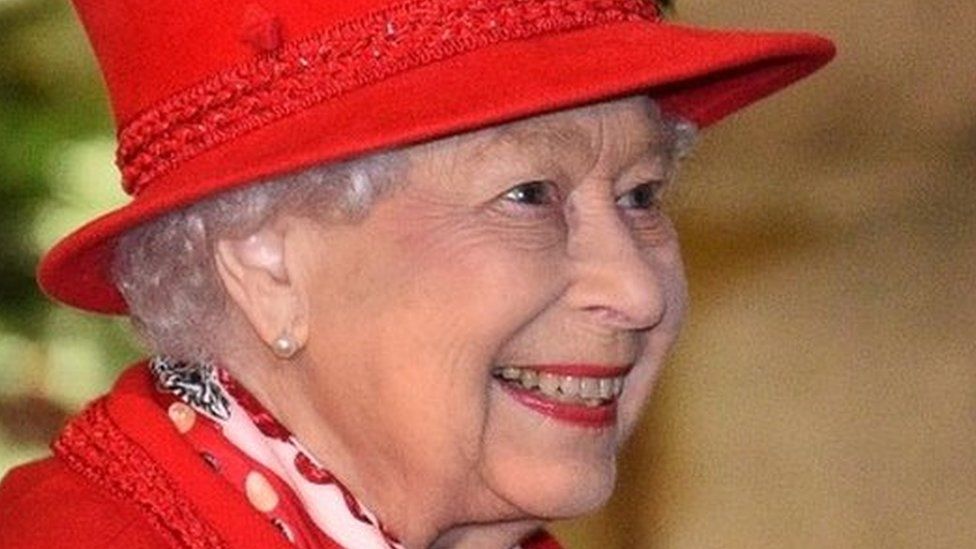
{"points": [[121, 476]]}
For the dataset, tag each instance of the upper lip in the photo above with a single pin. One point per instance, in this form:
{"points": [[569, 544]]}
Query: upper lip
{"points": [[579, 369]]}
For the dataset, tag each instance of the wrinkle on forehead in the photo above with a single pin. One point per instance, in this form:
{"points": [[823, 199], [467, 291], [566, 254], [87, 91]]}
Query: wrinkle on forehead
{"points": [[594, 135], [558, 133], [578, 134]]}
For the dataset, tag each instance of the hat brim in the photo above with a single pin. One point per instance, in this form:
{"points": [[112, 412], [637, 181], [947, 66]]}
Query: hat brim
{"points": [[702, 75]]}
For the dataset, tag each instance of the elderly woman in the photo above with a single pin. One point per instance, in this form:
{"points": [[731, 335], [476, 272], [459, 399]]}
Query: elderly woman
{"points": [[402, 266]]}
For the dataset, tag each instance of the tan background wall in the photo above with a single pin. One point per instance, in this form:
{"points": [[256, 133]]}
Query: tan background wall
{"points": [[824, 394]]}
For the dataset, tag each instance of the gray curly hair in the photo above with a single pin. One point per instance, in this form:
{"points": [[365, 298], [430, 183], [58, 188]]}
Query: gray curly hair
{"points": [[165, 268]]}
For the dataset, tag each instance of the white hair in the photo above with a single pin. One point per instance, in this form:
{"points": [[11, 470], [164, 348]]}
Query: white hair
{"points": [[165, 268]]}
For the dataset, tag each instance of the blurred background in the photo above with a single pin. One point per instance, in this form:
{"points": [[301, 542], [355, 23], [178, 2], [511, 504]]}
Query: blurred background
{"points": [[824, 392]]}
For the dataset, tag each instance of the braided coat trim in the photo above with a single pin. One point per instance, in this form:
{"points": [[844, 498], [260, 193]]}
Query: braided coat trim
{"points": [[94, 446]]}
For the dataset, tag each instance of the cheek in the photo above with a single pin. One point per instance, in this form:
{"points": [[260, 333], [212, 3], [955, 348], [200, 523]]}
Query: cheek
{"points": [[432, 308], [669, 264], [486, 280], [468, 298]]}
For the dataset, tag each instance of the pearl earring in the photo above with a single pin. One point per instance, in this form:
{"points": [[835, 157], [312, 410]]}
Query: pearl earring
{"points": [[284, 346]]}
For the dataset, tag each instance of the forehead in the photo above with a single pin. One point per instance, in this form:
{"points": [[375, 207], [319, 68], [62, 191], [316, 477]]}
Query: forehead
{"points": [[625, 130]]}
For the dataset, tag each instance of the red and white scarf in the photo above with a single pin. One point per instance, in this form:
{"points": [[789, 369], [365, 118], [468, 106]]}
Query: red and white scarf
{"points": [[246, 445]]}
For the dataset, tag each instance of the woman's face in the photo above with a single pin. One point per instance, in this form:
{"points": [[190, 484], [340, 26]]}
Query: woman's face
{"points": [[468, 338]]}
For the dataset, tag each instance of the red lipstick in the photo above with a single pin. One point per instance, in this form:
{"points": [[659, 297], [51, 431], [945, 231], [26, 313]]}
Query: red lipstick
{"points": [[581, 415], [571, 409]]}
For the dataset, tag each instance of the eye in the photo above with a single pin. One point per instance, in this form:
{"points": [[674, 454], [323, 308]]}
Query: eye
{"points": [[642, 197], [641, 208], [533, 193]]}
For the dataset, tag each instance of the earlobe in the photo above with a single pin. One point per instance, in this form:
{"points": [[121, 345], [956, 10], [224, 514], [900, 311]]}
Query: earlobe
{"points": [[254, 273]]}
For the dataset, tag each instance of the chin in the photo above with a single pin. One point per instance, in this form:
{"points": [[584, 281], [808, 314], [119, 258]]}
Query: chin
{"points": [[572, 493], [552, 486]]}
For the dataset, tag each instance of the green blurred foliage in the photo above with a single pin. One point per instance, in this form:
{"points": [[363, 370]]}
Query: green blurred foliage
{"points": [[55, 172], [49, 98]]}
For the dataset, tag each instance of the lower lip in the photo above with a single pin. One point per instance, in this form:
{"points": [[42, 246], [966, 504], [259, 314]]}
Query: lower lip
{"points": [[596, 417]]}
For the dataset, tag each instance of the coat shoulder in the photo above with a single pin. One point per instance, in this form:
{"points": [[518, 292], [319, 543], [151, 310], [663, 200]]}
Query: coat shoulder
{"points": [[46, 504]]}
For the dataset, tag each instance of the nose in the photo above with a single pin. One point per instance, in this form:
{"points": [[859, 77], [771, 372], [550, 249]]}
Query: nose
{"points": [[616, 281]]}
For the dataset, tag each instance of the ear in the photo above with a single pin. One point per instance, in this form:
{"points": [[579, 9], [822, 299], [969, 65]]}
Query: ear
{"points": [[257, 274]]}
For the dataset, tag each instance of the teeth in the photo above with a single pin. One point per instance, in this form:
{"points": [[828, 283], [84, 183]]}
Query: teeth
{"points": [[590, 391], [549, 384], [589, 387], [569, 385]]}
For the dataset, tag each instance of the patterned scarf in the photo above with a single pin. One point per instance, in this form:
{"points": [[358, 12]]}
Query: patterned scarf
{"points": [[247, 446]]}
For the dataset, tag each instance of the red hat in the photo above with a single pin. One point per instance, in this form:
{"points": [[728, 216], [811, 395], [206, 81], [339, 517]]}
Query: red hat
{"points": [[209, 95]]}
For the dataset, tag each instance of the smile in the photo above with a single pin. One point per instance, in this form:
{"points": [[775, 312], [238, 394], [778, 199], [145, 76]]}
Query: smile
{"points": [[584, 395]]}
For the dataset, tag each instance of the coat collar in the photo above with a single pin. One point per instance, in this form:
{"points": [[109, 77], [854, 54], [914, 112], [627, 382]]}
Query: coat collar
{"points": [[125, 444]]}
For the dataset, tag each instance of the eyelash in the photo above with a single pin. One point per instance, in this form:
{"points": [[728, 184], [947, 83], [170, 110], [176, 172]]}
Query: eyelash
{"points": [[653, 196], [539, 204], [651, 200], [550, 187]]}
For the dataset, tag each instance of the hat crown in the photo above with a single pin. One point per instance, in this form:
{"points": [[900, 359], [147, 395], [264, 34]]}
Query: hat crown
{"points": [[189, 81], [151, 50]]}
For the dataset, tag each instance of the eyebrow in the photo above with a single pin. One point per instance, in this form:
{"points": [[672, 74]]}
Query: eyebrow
{"points": [[551, 137]]}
